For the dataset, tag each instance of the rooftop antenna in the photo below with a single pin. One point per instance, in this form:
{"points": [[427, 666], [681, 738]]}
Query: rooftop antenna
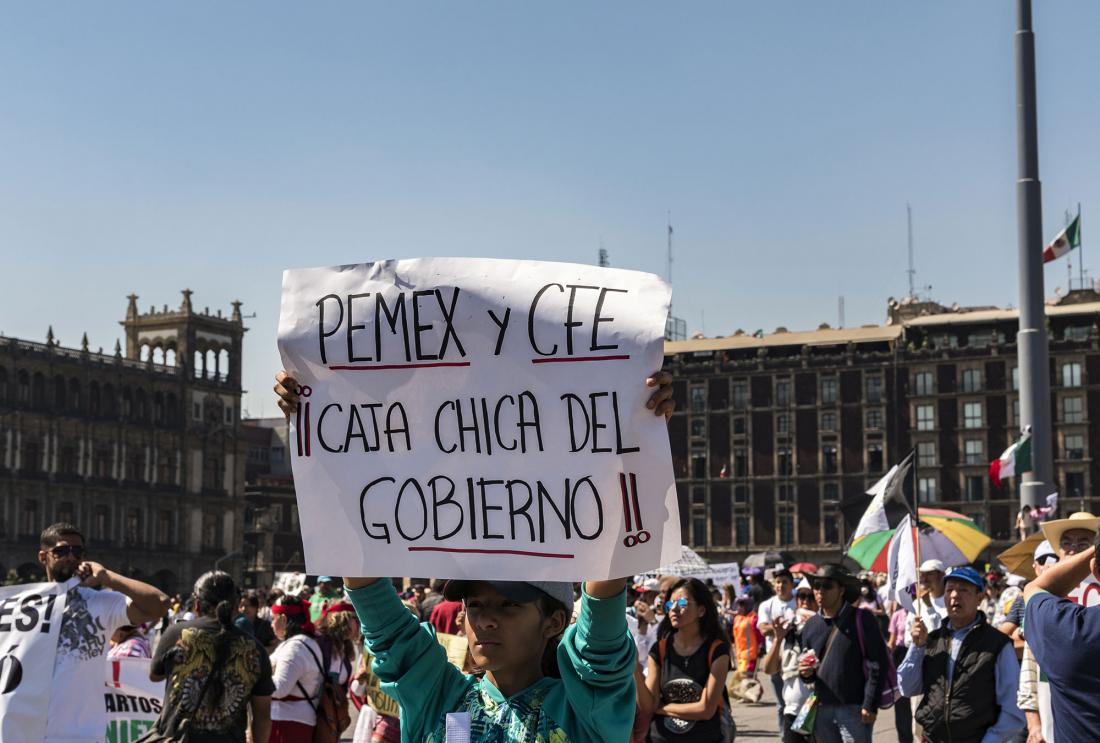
{"points": [[840, 311], [603, 260], [912, 271]]}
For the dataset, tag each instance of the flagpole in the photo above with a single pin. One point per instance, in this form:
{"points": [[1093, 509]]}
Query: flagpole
{"points": [[1080, 248], [1031, 341]]}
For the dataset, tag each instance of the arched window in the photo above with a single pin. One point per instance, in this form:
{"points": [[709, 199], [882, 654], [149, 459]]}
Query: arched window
{"points": [[74, 395], [59, 395], [158, 355], [24, 393], [94, 407], [211, 364], [223, 363], [170, 357], [143, 353], [38, 391], [199, 359]]}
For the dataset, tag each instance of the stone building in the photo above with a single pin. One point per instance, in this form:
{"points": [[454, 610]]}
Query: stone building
{"points": [[141, 449], [272, 537], [773, 430]]}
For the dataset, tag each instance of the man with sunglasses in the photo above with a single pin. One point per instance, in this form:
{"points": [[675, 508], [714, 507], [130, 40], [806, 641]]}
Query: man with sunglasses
{"points": [[847, 694], [76, 712]]}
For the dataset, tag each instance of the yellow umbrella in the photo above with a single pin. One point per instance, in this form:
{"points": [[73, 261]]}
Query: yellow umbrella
{"points": [[1019, 557]]}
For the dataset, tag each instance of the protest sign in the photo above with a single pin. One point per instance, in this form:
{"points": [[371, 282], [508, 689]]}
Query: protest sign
{"points": [[475, 418], [30, 623], [289, 582], [1087, 593], [132, 701]]}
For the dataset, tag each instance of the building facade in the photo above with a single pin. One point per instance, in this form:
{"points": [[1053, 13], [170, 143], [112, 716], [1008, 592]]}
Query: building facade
{"points": [[773, 431], [141, 449], [272, 535]]}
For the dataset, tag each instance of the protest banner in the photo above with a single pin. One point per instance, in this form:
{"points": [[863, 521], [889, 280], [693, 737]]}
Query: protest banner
{"points": [[476, 418], [289, 582], [131, 700], [1087, 593], [30, 624]]}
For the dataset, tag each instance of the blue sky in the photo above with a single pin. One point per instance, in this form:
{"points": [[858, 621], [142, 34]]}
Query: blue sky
{"points": [[211, 145]]}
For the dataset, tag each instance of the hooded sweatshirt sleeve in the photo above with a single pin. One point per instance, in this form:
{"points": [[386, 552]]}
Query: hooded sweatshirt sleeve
{"points": [[408, 660]]}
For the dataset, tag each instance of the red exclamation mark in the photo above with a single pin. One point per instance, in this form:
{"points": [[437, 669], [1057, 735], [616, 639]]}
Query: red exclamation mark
{"points": [[626, 504], [634, 500], [116, 672]]}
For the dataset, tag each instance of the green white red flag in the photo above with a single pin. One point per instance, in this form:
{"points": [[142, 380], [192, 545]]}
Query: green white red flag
{"points": [[1016, 460], [1066, 240]]}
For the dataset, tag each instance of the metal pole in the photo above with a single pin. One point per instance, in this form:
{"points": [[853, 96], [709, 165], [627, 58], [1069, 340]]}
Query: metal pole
{"points": [[1031, 342]]}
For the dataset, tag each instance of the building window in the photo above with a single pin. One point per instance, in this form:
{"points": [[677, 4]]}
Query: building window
{"points": [[828, 421], [164, 527], [972, 415], [831, 518], [926, 418], [1016, 413], [874, 419], [786, 526], [1075, 484], [924, 383], [782, 392], [828, 459], [1071, 374], [783, 494], [926, 454], [29, 524], [698, 399], [699, 531], [874, 389], [210, 530], [698, 427], [699, 464], [66, 513], [699, 495], [874, 457], [741, 530], [1073, 446], [101, 524], [972, 380], [1015, 377], [782, 423], [830, 492], [740, 462], [741, 494], [975, 487], [783, 454], [926, 489], [740, 394], [974, 451], [1073, 409], [739, 427], [133, 527], [198, 412], [828, 390]]}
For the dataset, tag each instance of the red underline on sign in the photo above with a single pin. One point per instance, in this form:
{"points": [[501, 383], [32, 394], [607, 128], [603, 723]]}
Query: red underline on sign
{"points": [[462, 551], [570, 359], [351, 367]]}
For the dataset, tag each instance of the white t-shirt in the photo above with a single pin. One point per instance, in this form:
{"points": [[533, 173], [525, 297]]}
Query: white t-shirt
{"points": [[642, 641], [291, 664], [772, 609], [76, 710]]}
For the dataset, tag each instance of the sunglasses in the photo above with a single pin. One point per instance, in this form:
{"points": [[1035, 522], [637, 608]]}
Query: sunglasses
{"points": [[824, 585], [64, 550], [1047, 559], [678, 603]]}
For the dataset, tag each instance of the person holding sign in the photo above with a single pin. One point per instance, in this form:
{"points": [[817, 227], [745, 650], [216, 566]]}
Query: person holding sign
{"points": [[544, 679], [103, 602]]}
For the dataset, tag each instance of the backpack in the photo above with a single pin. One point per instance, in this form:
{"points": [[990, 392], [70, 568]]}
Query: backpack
{"points": [[891, 692], [332, 698]]}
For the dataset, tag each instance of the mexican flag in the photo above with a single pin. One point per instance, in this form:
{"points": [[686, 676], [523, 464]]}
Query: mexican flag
{"points": [[1067, 240], [1016, 460]]}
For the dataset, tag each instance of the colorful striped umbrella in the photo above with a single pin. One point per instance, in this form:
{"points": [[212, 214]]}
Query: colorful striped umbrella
{"points": [[944, 535]]}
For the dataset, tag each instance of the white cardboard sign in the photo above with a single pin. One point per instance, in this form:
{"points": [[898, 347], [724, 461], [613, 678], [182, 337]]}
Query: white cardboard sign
{"points": [[30, 623], [131, 700], [477, 418]]}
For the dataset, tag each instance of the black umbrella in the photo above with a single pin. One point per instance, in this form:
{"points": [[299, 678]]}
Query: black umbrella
{"points": [[768, 559]]}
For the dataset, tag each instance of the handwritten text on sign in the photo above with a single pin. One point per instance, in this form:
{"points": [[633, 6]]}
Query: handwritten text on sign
{"points": [[460, 411]]}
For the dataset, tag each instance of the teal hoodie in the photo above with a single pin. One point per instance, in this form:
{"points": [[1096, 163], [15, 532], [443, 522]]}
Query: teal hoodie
{"points": [[592, 702]]}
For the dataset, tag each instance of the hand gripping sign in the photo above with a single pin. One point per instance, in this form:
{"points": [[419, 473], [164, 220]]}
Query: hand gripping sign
{"points": [[30, 623], [476, 418]]}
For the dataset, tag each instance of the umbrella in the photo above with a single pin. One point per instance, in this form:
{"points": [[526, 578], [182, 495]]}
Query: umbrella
{"points": [[1019, 557], [944, 535], [689, 562], [803, 567], [768, 559]]}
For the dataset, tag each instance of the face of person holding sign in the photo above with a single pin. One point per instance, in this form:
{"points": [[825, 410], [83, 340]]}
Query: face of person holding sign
{"points": [[963, 589]]}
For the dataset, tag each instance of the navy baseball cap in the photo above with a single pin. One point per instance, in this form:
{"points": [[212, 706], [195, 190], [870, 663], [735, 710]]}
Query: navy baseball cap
{"points": [[968, 574], [519, 591]]}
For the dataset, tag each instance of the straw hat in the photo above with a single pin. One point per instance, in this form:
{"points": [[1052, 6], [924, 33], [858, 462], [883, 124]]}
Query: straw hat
{"points": [[1053, 530]]}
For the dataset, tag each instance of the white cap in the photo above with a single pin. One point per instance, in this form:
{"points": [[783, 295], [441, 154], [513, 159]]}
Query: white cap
{"points": [[931, 566], [804, 584], [1016, 580], [1043, 550]]}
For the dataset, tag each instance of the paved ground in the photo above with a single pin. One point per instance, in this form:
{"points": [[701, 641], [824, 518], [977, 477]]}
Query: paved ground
{"points": [[756, 722]]}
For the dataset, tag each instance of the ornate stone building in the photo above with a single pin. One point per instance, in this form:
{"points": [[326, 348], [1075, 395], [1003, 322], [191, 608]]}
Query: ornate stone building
{"points": [[141, 450], [773, 430]]}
